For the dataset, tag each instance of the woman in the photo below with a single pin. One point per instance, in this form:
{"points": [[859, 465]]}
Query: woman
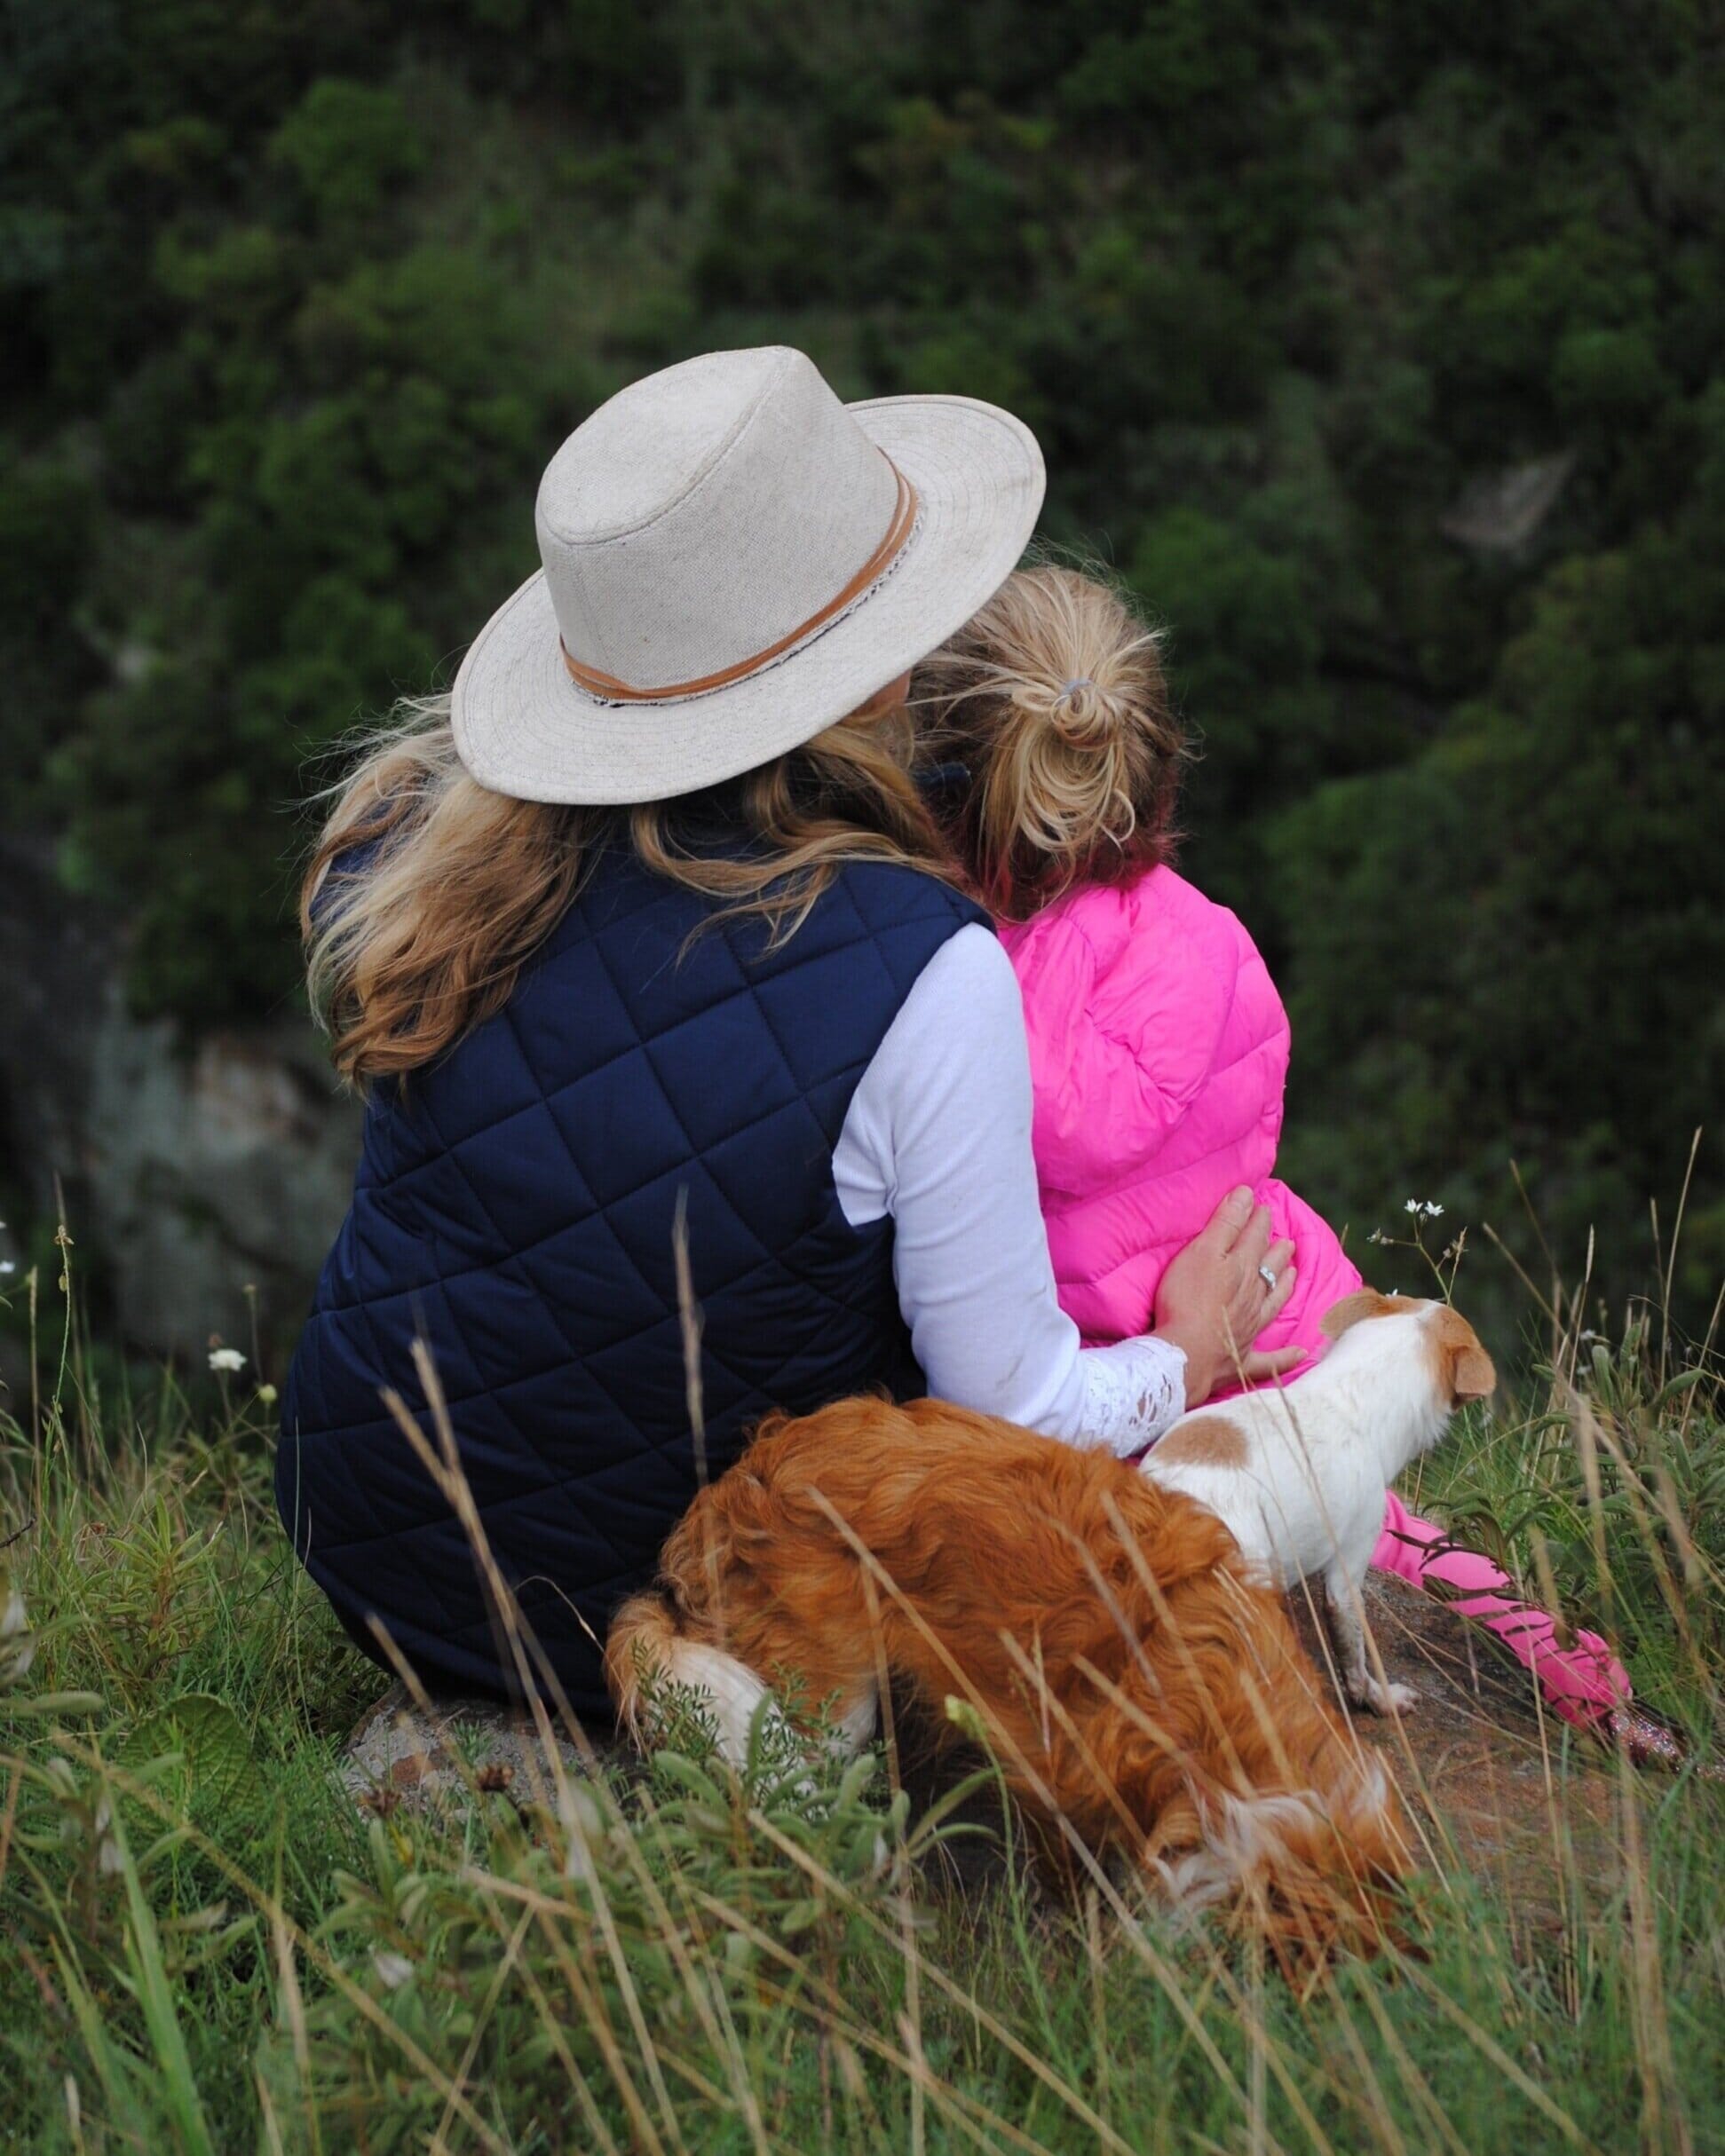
{"points": [[648, 919]]}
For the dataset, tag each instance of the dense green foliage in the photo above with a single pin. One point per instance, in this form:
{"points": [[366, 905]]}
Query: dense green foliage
{"points": [[205, 1946], [301, 298]]}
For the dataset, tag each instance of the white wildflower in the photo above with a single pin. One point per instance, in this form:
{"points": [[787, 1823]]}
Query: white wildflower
{"points": [[17, 1641], [7, 1266], [227, 1358], [393, 1969]]}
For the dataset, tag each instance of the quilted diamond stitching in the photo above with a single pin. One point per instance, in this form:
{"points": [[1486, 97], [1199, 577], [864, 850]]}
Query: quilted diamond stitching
{"points": [[872, 943]]}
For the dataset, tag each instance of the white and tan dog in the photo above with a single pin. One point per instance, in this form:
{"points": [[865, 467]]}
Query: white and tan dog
{"points": [[1299, 1476]]}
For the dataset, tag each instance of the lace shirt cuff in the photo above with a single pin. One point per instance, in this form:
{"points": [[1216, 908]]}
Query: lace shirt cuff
{"points": [[1132, 1391]]}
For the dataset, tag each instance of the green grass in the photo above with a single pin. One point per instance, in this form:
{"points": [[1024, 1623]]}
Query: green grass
{"points": [[205, 1947]]}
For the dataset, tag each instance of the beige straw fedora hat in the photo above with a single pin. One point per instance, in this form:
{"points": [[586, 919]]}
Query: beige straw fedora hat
{"points": [[733, 560]]}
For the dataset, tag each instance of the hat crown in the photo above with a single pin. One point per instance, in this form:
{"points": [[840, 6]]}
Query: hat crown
{"points": [[701, 515]]}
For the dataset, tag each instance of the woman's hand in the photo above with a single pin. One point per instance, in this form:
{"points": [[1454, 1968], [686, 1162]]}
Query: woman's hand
{"points": [[1213, 1300]]}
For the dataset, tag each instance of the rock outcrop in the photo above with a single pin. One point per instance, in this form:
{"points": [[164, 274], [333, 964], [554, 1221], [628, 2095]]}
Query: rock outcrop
{"points": [[191, 1171]]}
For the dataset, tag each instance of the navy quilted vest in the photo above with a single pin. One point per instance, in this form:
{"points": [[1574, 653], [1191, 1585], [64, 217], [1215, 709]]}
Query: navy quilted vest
{"points": [[514, 1206]]}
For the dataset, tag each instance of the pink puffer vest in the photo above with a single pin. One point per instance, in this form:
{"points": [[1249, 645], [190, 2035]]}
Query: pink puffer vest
{"points": [[1158, 1048]]}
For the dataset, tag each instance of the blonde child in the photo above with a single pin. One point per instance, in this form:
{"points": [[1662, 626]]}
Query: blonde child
{"points": [[1159, 1044]]}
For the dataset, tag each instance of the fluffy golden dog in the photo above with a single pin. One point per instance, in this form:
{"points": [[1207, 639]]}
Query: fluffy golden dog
{"points": [[1140, 1686]]}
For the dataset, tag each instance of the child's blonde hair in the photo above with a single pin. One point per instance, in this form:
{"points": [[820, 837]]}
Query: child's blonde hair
{"points": [[1054, 699]]}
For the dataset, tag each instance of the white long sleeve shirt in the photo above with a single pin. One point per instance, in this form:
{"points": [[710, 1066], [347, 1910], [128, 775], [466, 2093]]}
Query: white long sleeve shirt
{"points": [[937, 1135]]}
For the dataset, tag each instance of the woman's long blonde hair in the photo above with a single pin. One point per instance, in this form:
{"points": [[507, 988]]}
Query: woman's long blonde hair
{"points": [[1053, 698], [427, 893]]}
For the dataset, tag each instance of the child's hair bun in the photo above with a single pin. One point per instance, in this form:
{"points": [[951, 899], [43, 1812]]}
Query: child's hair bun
{"points": [[1053, 696], [1081, 711]]}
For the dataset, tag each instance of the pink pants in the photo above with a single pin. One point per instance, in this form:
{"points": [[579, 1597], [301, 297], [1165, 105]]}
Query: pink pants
{"points": [[1581, 1683]]}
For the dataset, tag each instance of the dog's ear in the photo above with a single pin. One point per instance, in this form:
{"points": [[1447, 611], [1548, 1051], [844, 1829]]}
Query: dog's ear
{"points": [[1364, 1302], [1473, 1376], [1460, 1358]]}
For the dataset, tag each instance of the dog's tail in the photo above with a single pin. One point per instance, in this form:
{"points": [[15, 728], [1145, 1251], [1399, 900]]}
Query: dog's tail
{"points": [[648, 1646], [1309, 1870]]}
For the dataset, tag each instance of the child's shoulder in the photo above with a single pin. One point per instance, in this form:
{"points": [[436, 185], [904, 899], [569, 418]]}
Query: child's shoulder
{"points": [[1158, 918]]}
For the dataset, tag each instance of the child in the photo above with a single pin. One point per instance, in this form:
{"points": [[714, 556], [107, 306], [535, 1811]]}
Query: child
{"points": [[1159, 1046]]}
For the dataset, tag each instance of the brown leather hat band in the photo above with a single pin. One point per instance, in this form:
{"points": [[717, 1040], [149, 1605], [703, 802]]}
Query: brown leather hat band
{"points": [[607, 687]]}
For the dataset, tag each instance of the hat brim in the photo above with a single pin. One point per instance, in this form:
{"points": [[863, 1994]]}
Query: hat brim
{"points": [[524, 727]]}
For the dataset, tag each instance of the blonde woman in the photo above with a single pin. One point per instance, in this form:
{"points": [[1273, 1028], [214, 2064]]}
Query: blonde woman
{"points": [[647, 918]]}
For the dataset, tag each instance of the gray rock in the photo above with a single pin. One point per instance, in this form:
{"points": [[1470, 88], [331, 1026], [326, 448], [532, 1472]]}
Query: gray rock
{"points": [[402, 1754], [211, 1172], [191, 1173]]}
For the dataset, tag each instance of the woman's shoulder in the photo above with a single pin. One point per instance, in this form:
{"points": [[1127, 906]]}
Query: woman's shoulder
{"points": [[903, 913], [885, 895]]}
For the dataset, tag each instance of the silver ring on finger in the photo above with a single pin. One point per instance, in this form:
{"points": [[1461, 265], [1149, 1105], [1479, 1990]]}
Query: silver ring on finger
{"points": [[1267, 1277]]}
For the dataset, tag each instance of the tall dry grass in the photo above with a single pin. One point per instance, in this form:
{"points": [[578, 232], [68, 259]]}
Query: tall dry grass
{"points": [[205, 1946]]}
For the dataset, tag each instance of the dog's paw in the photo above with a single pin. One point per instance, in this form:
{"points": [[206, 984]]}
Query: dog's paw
{"points": [[1386, 1699]]}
